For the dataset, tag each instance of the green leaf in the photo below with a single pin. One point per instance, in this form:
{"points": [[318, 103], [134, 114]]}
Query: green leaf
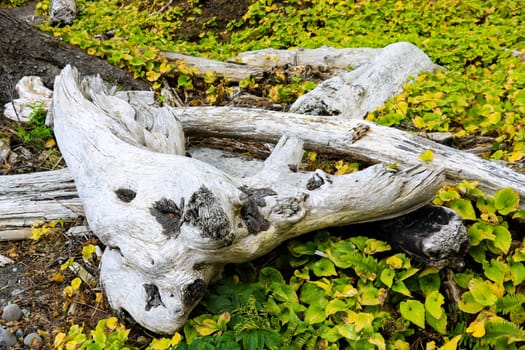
{"points": [[298, 249], [310, 293], [481, 292], [506, 200], [315, 314], [348, 331], [517, 273], [464, 208], [387, 277], [501, 244], [401, 288], [413, 311], [369, 295], [270, 275], [429, 283], [479, 232], [323, 267], [520, 214], [440, 323], [284, 293], [468, 304], [376, 246], [335, 305], [433, 303], [495, 270]]}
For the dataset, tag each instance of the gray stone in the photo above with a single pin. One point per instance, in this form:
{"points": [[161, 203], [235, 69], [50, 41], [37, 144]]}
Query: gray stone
{"points": [[32, 339], [7, 339], [12, 312], [19, 333]]}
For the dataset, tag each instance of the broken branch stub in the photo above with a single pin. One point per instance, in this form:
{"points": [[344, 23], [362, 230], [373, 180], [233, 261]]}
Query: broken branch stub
{"points": [[171, 222]]}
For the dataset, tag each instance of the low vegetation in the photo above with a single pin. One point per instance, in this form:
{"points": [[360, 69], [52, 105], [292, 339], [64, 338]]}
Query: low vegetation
{"points": [[338, 290]]}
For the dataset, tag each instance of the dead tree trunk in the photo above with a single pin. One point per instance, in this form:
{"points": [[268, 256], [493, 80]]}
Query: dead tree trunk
{"points": [[171, 222], [25, 51]]}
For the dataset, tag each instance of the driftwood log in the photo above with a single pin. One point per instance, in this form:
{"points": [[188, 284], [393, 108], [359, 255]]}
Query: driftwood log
{"points": [[353, 94], [323, 58], [171, 222], [233, 72]]}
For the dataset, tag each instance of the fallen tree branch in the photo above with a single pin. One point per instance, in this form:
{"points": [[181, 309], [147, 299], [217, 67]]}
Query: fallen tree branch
{"points": [[355, 139], [233, 72]]}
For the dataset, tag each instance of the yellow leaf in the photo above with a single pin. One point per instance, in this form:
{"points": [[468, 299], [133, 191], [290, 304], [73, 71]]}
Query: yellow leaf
{"points": [[36, 234], [394, 262], [176, 338], [59, 340], [207, 327], [99, 297], [75, 283], [165, 67], [419, 122], [68, 263], [515, 156], [401, 345], [477, 327], [452, 344], [92, 51], [68, 291], [430, 346], [111, 323], [58, 277], [50, 143], [88, 251], [152, 76], [426, 156], [403, 107]]}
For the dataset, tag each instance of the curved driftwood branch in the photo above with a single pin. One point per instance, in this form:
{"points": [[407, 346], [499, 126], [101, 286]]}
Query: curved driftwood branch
{"points": [[170, 222], [356, 139]]}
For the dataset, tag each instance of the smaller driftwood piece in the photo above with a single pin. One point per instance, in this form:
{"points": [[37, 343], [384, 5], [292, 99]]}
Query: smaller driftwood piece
{"points": [[171, 222]]}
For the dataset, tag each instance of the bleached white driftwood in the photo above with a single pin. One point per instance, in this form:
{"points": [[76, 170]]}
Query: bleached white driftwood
{"points": [[170, 222], [62, 12], [354, 94], [38, 196], [4, 260], [356, 139], [323, 58], [233, 72], [31, 92], [324, 134]]}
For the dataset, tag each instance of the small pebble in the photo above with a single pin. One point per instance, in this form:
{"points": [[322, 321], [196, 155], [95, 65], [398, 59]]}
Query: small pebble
{"points": [[142, 340], [32, 339], [7, 339], [11, 312], [19, 333]]}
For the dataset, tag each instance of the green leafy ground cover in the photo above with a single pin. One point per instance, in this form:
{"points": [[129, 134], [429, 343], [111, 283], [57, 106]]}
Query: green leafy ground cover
{"points": [[479, 91], [333, 291]]}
